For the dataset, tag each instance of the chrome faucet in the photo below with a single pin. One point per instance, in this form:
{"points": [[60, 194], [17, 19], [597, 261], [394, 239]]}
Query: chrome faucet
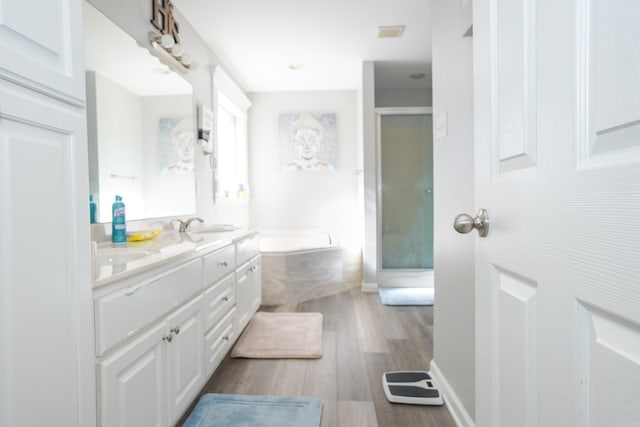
{"points": [[184, 225]]}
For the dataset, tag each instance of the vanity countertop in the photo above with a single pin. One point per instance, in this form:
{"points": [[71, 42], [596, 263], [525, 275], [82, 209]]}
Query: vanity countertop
{"points": [[116, 261]]}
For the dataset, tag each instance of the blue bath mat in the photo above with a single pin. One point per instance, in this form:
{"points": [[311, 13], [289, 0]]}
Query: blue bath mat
{"points": [[406, 296], [237, 410]]}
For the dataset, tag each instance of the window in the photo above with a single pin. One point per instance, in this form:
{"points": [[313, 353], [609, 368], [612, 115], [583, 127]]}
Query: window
{"points": [[232, 173]]}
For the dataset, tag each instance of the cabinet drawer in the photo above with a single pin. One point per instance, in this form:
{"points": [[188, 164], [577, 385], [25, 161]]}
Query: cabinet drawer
{"points": [[124, 312], [247, 248], [219, 340], [218, 264], [218, 300]]}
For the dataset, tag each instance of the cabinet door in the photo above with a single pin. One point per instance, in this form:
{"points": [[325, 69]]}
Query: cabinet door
{"points": [[185, 354], [46, 335], [132, 383], [255, 274], [41, 46], [248, 291]]}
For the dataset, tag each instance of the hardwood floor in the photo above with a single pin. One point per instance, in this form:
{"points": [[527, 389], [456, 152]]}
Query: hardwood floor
{"points": [[362, 339]]}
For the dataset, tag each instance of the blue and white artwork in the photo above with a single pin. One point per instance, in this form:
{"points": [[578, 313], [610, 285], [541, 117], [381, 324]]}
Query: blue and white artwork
{"points": [[308, 142], [176, 144]]}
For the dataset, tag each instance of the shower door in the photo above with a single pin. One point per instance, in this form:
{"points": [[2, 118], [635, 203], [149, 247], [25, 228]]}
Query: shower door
{"points": [[406, 191]]}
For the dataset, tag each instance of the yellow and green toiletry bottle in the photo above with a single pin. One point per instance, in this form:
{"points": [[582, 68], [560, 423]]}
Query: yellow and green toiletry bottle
{"points": [[118, 223]]}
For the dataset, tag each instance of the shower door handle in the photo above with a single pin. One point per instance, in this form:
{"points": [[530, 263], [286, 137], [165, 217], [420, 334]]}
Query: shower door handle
{"points": [[465, 223]]}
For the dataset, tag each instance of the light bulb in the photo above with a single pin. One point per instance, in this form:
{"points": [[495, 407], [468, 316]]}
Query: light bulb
{"points": [[186, 58], [177, 50], [167, 41]]}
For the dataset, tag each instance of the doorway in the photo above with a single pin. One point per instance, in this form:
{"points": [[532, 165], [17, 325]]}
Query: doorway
{"points": [[405, 196]]}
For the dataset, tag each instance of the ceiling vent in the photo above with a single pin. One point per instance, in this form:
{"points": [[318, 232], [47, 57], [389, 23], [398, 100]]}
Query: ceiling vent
{"points": [[390, 31]]}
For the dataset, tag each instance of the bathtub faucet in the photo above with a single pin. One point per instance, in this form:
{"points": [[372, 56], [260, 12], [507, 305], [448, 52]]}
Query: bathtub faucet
{"points": [[184, 225]]}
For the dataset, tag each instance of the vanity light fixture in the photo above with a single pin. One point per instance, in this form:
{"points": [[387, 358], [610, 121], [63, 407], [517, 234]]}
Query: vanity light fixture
{"points": [[171, 51], [167, 43]]}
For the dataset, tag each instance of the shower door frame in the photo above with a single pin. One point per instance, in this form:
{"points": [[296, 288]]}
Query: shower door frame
{"points": [[390, 277]]}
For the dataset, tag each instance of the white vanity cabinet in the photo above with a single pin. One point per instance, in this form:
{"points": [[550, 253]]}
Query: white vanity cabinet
{"points": [[161, 332]]}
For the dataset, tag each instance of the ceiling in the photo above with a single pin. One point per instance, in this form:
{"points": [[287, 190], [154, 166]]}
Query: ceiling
{"points": [[257, 40]]}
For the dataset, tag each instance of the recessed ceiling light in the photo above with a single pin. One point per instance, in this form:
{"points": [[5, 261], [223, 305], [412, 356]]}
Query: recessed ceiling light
{"points": [[296, 66], [418, 76], [390, 31]]}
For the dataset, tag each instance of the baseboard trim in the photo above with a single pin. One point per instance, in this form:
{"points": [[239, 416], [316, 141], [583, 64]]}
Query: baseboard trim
{"points": [[370, 287], [457, 410]]}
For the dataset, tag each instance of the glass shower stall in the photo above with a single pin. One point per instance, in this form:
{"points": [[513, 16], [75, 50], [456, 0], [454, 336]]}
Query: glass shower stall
{"points": [[405, 194]]}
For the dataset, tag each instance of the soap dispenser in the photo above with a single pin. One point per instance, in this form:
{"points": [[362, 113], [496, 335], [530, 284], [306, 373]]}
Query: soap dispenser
{"points": [[118, 224]]}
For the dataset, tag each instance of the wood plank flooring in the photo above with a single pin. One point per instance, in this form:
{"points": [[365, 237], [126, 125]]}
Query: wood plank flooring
{"points": [[362, 339]]}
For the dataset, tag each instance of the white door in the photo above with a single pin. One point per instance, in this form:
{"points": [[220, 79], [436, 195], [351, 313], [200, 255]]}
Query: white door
{"points": [[557, 129]]}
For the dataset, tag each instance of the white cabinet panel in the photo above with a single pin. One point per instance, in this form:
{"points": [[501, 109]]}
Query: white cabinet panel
{"points": [[41, 46], [122, 313], [219, 340], [247, 248], [45, 291], [185, 354], [248, 291], [218, 300], [218, 264], [132, 383]]}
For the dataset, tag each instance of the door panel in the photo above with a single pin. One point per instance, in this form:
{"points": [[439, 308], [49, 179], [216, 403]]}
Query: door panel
{"points": [[611, 369], [513, 70], [608, 74], [516, 332], [557, 296]]}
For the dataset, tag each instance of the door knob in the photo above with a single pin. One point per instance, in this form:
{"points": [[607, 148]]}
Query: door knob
{"points": [[465, 223]]}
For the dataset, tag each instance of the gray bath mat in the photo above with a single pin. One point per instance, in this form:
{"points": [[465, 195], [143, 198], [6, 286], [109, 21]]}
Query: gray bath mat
{"points": [[406, 296]]}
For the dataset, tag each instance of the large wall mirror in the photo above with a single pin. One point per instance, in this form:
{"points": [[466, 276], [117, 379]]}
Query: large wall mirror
{"points": [[140, 123]]}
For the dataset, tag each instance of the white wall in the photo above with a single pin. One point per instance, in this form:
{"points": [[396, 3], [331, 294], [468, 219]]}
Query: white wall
{"points": [[310, 199], [454, 325], [403, 97]]}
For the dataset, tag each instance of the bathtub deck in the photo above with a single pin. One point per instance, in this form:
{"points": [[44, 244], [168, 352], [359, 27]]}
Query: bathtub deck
{"points": [[362, 339]]}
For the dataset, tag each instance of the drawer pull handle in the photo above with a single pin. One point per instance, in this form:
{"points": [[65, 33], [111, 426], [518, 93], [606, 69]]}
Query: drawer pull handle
{"points": [[226, 338], [167, 338], [225, 299], [223, 263], [176, 330], [132, 290]]}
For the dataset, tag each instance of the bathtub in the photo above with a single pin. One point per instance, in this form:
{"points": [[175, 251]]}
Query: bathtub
{"points": [[302, 264]]}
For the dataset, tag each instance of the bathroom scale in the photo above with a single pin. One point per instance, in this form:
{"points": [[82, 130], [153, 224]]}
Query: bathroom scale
{"points": [[412, 387]]}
